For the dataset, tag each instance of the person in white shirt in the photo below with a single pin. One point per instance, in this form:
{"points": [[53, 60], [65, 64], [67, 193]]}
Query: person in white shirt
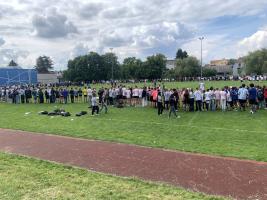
{"points": [[135, 96], [223, 99], [198, 98], [242, 96], [207, 99], [90, 95]]}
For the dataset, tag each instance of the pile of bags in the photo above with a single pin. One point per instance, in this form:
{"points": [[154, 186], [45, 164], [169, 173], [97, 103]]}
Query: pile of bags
{"points": [[61, 112]]}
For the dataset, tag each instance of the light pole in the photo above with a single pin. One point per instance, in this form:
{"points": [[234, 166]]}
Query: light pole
{"points": [[201, 40], [111, 49]]}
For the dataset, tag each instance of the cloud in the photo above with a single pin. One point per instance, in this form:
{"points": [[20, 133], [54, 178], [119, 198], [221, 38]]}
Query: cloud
{"points": [[90, 10], [6, 55], [132, 27], [256, 41], [2, 42], [52, 25]]}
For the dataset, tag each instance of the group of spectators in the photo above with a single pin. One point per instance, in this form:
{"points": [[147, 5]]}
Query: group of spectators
{"points": [[187, 99]]}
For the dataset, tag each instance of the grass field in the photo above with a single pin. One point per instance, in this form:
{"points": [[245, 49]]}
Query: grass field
{"points": [[236, 134], [192, 84], [24, 178]]}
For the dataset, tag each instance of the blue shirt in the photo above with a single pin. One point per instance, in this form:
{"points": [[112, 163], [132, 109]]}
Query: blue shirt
{"points": [[252, 93]]}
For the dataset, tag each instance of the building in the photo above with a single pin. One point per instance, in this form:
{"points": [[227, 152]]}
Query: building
{"points": [[223, 67], [222, 62], [170, 64], [48, 78]]}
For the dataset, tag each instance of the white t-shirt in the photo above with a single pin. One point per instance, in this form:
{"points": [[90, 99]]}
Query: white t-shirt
{"points": [[223, 95], [89, 92], [136, 92], [207, 96], [128, 94], [198, 95]]}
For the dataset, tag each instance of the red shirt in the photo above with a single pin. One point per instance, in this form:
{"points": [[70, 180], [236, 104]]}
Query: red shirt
{"points": [[265, 93]]}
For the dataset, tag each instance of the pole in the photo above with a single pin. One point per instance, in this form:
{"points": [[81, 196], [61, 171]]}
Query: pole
{"points": [[201, 39], [112, 75]]}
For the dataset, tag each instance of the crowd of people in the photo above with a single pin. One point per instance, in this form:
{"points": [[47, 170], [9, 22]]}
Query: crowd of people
{"points": [[186, 99]]}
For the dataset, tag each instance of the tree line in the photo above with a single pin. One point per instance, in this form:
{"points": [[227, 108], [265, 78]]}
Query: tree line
{"points": [[94, 66]]}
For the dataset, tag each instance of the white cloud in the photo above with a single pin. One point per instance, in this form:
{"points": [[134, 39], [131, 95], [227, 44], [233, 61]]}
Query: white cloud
{"points": [[256, 41], [2, 42], [133, 27], [52, 25], [6, 55]]}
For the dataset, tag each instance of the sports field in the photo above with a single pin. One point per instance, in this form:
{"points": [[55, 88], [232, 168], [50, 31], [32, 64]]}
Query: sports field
{"points": [[236, 134], [233, 134], [186, 84]]}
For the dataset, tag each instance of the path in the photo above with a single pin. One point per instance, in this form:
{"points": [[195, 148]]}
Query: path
{"points": [[209, 174]]}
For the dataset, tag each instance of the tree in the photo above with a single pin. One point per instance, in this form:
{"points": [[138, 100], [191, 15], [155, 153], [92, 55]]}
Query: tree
{"points": [[44, 64], [180, 54], [85, 68], [12, 63], [207, 72], [154, 67], [187, 67], [256, 62], [131, 68], [110, 60]]}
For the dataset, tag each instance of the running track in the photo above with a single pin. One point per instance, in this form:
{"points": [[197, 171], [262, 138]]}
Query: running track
{"points": [[239, 179]]}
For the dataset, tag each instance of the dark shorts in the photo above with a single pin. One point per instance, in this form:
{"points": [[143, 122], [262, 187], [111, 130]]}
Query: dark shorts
{"points": [[136, 97], [252, 102], [242, 101]]}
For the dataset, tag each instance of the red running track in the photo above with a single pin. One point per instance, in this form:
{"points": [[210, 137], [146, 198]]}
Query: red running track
{"points": [[239, 179]]}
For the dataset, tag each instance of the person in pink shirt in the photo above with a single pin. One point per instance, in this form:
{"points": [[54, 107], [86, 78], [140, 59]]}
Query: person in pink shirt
{"points": [[217, 98]]}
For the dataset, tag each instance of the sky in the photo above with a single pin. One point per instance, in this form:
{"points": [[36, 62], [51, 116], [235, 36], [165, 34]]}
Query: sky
{"points": [[64, 29]]}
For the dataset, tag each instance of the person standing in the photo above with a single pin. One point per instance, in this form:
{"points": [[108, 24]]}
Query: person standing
{"points": [[191, 100], [103, 102], [95, 107], [265, 96], [217, 98], [85, 99], [223, 96], [252, 97], [71, 95], [144, 97], [242, 97], [41, 96], [159, 103], [90, 95], [65, 95], [207, 99], [172, 106], [198, 98]]}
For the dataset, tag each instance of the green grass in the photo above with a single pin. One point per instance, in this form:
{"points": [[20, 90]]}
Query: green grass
{"points": [[24, 178], [235, 134], [192, 84]]}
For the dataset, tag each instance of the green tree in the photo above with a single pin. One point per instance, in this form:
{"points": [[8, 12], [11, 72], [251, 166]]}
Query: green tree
{"points": [[12, 63], [110, 60], [131, 68], [180, 54], [44, 64], [187, 67], [255, 62], [85, 68], [154, 67], [207, 72]]}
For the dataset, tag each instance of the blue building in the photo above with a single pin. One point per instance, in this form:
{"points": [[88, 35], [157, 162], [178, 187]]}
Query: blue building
{"points": [[17, 75]]}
